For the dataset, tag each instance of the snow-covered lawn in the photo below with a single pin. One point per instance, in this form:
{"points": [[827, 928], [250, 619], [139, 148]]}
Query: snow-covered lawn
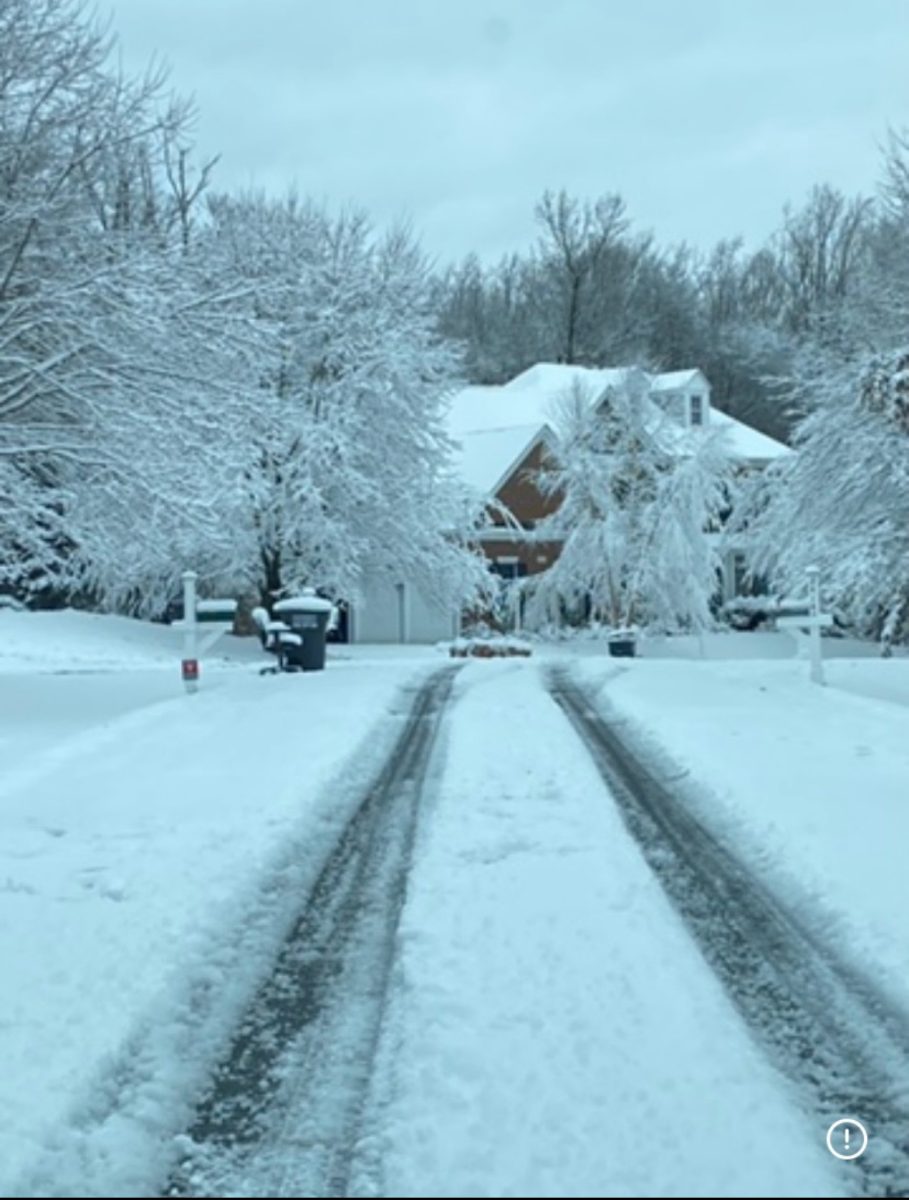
{"points": [[80, 641], [810, 782], [153, 846]]}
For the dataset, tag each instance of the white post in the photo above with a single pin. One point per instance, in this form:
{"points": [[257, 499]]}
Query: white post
{"points": [[190, 664], [814, 592]]}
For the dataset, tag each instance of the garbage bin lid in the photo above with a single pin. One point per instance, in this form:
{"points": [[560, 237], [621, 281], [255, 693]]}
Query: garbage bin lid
{"points": [[311, 604]]}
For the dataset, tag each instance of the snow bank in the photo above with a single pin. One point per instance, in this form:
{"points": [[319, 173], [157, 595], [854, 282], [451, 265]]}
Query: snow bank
{"points": [[81, 641]]}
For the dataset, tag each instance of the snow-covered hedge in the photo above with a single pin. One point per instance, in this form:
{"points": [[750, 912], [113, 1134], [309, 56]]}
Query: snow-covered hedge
{"points": [[491, 647]]}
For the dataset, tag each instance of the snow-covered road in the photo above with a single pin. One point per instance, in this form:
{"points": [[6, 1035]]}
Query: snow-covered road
{"points": [[286, 1106], [549, 1025], [829, 1024], [555, 1031]]}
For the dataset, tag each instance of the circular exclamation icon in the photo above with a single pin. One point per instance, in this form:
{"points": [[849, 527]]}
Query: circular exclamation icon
{"points": [[847, 1139]]}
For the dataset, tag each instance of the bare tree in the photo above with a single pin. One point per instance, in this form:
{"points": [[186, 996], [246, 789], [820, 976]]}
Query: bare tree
{"points": [[576, 238], [895, 183], [819, 253], [184, 189]]}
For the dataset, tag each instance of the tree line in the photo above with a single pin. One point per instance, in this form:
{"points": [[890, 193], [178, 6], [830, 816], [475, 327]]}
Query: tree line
{"points": [[257, 386]]}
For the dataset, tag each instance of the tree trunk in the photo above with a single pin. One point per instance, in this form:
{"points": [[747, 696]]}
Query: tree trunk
{"points": [[271, 583], [572, 324]]}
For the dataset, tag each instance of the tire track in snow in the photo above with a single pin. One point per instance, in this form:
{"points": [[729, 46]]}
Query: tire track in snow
{"points": [[284, 1109], [840, 1038]]}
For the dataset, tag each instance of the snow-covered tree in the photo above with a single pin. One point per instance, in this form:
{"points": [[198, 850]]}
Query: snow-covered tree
{"points": [[173, 423], [78, 146], [842, 502], [638, 494], [350, 467]]}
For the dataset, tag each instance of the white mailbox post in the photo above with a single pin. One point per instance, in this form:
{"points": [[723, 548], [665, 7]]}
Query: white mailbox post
{"points": [[810, 624], [189, 666], [215, 617]]}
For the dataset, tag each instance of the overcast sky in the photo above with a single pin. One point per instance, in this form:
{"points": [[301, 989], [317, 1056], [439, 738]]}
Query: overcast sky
{"points": [[706, 115]]}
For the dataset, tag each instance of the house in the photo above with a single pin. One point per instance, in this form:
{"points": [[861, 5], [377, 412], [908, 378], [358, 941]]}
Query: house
{"points": [[503, 434]]}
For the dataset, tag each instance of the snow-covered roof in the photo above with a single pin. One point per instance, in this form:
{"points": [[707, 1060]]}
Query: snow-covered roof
{"points": [[670, 381], [529, 399], [486, 457], [495, 426], [747, 442]]}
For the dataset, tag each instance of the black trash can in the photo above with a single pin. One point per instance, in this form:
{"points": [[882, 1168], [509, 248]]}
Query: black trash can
{"points": [[306, 615]]}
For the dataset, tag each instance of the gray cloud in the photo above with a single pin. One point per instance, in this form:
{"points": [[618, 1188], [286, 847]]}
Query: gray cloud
{"points": [[706, 116]]}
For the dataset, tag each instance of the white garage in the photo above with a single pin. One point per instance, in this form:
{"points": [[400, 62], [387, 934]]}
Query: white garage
{"points": [[399, 612]]}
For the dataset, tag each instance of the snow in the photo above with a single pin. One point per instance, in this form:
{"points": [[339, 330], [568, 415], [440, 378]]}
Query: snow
{"points": [[554, 1031], [551, 1028], [492, 424], [306, 602], [545, 378], [154, 846], [746, 442], [528, 399], [727, 644], [81, 641], [472, 408], [808, 782], [490, 646], [486, 457], [216, 606], [671, 381]]}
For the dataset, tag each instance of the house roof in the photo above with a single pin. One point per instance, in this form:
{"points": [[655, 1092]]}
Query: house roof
{"points": [[486, 458], [746, 442], [528, 399], [670, 381], [495, 427]]}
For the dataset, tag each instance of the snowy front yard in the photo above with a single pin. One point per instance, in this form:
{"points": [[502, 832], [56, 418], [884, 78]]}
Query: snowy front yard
{"points": [[812, 783], [551, 1027]]}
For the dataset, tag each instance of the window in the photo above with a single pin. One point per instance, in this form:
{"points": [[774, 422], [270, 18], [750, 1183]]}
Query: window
{"points": [[739, 574], [509, 568], [697, 410]]}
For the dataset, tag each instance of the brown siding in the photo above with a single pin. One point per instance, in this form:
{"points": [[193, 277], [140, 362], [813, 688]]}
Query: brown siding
{"points": [[524, 500], [521, 495]]}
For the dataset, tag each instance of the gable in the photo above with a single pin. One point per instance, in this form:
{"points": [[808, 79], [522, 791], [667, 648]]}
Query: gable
{"points": [[520, 491], [487, 457]]}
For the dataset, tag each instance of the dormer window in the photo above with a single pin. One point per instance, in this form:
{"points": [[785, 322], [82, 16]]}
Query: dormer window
{"points": [[696, 410]]}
